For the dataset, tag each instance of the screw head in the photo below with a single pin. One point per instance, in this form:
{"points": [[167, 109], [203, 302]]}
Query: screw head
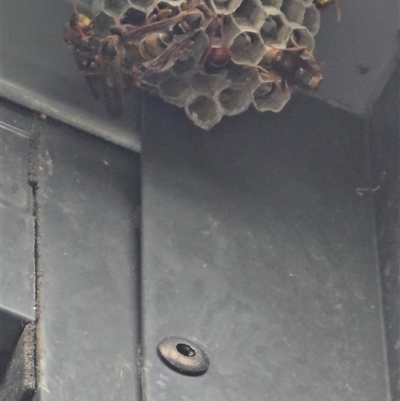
{"points": [[183, 355]]}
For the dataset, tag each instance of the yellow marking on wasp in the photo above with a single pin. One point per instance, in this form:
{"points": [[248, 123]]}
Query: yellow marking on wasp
{"points": [[86, 21]]}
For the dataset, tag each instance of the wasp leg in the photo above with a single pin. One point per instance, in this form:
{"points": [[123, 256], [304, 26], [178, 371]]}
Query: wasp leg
{"points": [[112, 100], [91, 81], [270, 75]]}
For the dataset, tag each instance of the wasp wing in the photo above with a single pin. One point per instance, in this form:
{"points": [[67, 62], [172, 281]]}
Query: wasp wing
{"points": [[169, 56], [139, 33]]}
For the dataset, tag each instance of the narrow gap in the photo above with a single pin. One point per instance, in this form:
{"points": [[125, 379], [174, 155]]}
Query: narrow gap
{"points": [[139, 304], [137, 284], [366, 128], [33, 181], [139, 247], [36, 248]]}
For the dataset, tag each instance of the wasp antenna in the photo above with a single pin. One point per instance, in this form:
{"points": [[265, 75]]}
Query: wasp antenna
{"points": [[269, 75], [338, 11], [294, 41], [302, 49], [75, 5], [296, 48], [221, 22]]}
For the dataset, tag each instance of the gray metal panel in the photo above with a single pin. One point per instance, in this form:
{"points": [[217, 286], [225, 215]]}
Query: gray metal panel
{"points": [[359, 54], [385, 166], [20, 381], [37, 69], [88, 198], [257, 245], [16, 232]]}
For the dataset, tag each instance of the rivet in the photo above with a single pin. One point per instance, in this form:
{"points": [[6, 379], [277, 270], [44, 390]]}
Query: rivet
{"points": [[184, 356]]}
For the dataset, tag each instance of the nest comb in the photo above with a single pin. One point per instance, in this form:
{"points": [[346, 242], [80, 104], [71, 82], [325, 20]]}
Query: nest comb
{"points": [[251, 27]]}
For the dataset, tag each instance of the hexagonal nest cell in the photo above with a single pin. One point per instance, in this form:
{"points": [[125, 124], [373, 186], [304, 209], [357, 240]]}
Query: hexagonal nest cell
{"points": [[275, 31], [204, 111], [249, 15], [210, 57], [294, 10]]}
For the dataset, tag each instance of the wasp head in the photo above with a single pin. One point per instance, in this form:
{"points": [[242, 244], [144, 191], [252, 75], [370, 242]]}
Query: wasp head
{"points": [[80, 21]]}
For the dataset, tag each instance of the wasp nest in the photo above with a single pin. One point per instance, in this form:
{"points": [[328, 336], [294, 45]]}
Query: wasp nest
{"points": [[211, 57]]}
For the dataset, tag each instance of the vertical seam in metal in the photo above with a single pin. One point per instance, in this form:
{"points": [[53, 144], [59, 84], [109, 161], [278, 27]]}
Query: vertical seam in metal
{"points": [[33, 181], [139, 238], [367, 132]]}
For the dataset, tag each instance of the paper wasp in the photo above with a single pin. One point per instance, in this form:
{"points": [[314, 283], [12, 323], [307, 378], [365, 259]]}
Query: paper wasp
{"points": [[109, 61], [321, 4], [212, 59], [78, 31], [216, 58], [291, 68], [152, 47], [130, 53], [167, 46], [98, 58], [78, 35]]}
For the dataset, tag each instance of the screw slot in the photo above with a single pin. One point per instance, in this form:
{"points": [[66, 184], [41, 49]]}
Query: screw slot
{"points": [[183, 355], [186, 350]]}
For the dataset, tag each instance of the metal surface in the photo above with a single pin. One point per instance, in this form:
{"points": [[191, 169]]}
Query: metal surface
{"points": [[385, 168], [20, 381], [16, 230], [88, 330], [359, 54], [257, 244], [37, 69], [273, 242]]}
